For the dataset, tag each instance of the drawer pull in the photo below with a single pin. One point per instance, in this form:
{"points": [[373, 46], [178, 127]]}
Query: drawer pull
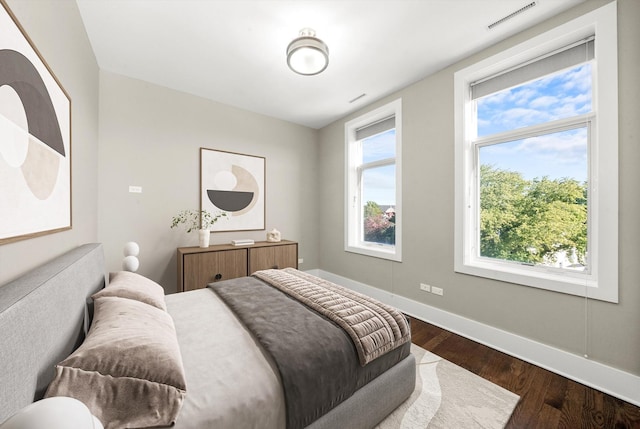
{"points": [[217, 277]]}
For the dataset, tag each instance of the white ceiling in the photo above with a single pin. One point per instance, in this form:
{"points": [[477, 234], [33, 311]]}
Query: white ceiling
{"points": [[233, 51]]}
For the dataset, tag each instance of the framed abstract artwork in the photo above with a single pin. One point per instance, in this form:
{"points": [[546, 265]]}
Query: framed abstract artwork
{"points": [[35, 139], [235, 184]]}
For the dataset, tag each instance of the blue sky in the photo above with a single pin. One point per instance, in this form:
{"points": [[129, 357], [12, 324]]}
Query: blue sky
{"points": [[557, 96], [380, 146], [379, 183]]}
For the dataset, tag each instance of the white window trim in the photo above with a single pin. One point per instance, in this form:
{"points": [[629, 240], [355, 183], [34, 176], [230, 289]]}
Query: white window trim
{"points": [[353, 207], [602, 281]]}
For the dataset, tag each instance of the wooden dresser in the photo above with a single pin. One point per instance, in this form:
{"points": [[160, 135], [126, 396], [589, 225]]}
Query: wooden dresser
{"points": [[199, 266]]}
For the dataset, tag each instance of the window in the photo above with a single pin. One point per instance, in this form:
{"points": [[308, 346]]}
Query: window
{"points": [[537, 161], [373, 183]]}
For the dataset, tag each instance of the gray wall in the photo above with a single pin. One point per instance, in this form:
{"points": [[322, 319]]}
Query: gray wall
{"points": [[58, 33], [611, 334], [151, 137]]}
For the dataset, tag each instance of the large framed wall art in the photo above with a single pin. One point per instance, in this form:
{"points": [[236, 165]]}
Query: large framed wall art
{"points": [[35, 139], [235, 184]]}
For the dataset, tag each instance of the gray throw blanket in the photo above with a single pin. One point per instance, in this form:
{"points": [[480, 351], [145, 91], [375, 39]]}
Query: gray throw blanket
{"points": [[316, 359], [374, 327]]}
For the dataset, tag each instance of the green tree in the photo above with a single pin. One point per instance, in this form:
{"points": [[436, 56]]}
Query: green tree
{"points": [[531, 221], [372, 209], [501, 198]]}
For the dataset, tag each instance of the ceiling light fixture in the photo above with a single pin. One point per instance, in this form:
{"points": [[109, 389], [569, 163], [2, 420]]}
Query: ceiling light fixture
{"points": [[307, 55]]}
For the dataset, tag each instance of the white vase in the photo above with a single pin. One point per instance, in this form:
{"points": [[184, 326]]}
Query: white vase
{"points": [[203, 237]]}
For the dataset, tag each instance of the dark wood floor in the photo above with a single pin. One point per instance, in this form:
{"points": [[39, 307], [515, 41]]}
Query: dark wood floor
{"points": [[547, 400]]}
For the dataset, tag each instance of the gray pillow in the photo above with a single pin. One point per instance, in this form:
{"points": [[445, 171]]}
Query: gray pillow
{"points": [[134, 286], [128, 371]]}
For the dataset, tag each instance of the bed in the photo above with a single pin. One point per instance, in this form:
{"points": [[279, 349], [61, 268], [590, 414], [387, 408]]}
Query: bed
{"points": [[231, 379]]}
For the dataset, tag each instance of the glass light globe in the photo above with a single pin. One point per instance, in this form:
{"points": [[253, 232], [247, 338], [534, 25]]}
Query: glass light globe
{"points": [[307, 55], [307, 60]]}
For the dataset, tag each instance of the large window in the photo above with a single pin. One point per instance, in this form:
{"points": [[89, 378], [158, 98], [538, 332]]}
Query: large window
{"points": [[536, 161], [373, 209]]}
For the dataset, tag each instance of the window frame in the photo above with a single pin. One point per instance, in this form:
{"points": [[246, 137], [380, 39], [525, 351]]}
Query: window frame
{"points": [[601, 281], [353, 186]]}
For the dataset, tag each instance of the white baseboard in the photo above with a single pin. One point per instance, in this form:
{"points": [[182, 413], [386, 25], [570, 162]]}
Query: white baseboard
{"points": [[612, 381]]}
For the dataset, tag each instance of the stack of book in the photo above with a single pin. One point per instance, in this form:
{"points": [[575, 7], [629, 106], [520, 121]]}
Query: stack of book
{"points": [[243, 242]]}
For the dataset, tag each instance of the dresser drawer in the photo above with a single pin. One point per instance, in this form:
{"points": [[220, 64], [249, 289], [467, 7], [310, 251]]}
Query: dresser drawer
{"points": [[264, 258], [201, 269]]}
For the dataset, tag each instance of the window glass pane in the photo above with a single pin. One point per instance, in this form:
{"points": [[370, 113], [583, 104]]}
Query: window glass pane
{"points": [[379, 202], [533, 200], [557, 96], [380, 146]]}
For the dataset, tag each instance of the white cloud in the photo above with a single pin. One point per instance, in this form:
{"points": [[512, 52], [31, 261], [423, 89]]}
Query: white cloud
{"points": [[497, 98], [557, 96], [519, 117], [578, 79], [567, 147], [544, 102]]}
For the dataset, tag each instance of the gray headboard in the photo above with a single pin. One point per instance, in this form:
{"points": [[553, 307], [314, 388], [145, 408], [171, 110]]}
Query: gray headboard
{"points": [[41, 322]]}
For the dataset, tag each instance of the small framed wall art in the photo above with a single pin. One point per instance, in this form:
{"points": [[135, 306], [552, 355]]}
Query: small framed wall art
{"points": [[233, 183], [35, 139]]}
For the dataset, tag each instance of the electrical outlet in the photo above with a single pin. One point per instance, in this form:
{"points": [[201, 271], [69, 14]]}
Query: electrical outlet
{"points": [[135, 189], [437, 290], [300, 261], [425, 287]]}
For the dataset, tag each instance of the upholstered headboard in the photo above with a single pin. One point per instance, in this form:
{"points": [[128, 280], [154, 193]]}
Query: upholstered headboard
{"points": [[41, 322]]}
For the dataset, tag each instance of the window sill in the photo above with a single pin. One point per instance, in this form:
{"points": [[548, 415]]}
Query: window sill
{"points": [[567, 282], [377, 251]]}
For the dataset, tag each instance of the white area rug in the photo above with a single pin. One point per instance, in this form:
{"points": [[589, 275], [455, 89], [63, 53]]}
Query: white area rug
{"points": [[447, 397]]}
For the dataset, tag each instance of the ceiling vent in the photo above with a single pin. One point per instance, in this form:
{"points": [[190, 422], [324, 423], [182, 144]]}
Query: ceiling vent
{"points": [[357, 98], [511, 15]]}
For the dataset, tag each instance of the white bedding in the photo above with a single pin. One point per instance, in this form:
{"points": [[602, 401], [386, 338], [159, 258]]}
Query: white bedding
{"points": [[230, 382]]}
